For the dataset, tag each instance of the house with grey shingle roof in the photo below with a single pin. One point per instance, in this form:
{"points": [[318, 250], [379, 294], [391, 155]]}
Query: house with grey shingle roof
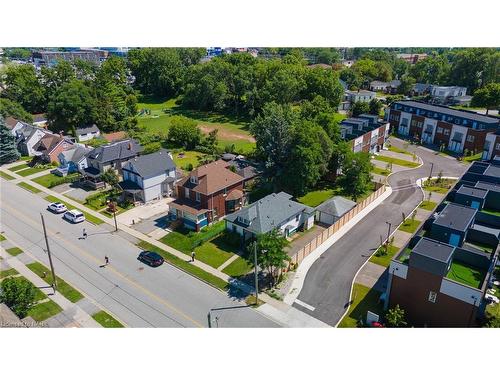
{"points": [[73, 160], [149, 177], [86, 133], [275, 211], [333, 209]]}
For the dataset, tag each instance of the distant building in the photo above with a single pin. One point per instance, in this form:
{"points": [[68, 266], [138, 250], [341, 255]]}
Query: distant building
{"points": [[411, 58], [365, 133], [40, 120], [387, 87], [50, 58], [448, 94], [86, 133]]}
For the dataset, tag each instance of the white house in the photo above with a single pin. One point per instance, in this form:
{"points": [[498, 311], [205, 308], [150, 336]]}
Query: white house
{"points": [[27, 136], [87, 133], [275, 211], [443, 94], [149, 177]]}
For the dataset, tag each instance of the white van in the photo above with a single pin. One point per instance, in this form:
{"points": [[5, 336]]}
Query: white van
{"points": [[74, 216]]}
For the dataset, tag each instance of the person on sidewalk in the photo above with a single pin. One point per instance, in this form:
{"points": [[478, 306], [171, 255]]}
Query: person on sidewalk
{"points": [[84, 234], [192, 256], [106, 260]]}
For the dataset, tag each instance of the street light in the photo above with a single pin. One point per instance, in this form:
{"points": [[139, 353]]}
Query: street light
{"points": [[388, 235], [432, 167], [112, 207]]}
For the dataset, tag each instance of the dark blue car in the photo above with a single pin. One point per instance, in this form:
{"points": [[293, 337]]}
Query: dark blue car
{"points": [[151, 258]]}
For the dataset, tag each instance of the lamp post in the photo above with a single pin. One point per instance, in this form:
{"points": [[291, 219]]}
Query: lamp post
{"points": [[432, 167], [112, 207], [388, 235]]}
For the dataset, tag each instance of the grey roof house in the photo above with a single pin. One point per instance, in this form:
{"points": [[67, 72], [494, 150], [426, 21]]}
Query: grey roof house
{"points": [[86, 133], [333, 209], [275, 211], [149, 177]]}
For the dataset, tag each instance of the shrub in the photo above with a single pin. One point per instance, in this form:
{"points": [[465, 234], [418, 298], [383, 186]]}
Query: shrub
{"points": [[63, 180], [18, 294]]}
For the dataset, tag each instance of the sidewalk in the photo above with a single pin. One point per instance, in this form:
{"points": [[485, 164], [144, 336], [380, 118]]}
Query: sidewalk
{"points": [[72, 314]]}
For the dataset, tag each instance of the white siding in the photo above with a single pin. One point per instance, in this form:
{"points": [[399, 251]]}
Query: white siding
{"points": [[33, 140], [458, 129], [461, 292], [398, 269]]}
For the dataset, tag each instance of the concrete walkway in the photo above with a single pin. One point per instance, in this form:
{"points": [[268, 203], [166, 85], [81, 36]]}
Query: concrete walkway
{"points": [[72, 314]]}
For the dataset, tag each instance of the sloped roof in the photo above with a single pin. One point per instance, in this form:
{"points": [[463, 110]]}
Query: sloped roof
{"points": [[336, 206], [10, 122], [268, 213], [87, 129], [119, 150], [48, 142], [76, 154], [39, 117], [152, 164], [211, 178]]}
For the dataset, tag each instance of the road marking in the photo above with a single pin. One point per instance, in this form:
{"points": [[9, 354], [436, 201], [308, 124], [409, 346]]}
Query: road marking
{"points": [[111, 268], [303, 304]]}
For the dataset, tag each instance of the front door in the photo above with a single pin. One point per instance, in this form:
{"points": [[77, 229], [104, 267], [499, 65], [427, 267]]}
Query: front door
{"points": [[454, 239], [475, 204]]}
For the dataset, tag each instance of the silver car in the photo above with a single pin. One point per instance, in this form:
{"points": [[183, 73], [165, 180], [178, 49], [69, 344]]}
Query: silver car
{"points": [[57, 207]]}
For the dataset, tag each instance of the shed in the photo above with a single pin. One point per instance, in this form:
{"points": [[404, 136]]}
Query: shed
{"points": [[333, 209]]}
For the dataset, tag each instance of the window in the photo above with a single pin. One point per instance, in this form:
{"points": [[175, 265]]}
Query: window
{"points": [[446, 131], [439, 130], [470, 138], [225, 190], [297, 217], [193, 179], [432, 296], [197, 197], [186, 192], [497, 147]]}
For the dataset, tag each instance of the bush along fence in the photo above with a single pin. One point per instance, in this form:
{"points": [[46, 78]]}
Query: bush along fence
{"points": [[298, 257], [64, 180]]}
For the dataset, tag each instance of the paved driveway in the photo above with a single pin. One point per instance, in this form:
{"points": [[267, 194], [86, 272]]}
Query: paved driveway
{"points": [[144, 212], [328, 282]]}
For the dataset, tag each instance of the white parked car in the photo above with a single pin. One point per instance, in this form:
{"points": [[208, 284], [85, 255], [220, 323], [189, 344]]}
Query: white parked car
{"points": [[57, 207], [74, 216]]}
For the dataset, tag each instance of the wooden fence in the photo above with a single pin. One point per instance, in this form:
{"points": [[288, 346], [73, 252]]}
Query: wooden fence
{"points": [[334, 228]]}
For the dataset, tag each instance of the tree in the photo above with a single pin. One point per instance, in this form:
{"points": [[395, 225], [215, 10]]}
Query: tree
{"points": [[359, 108], [356, 170], [72, 105], [22, 85], [273, 134], [211, 141], [395, 317], [340, 150], [406, 86], [375, 106], [8, 149], [14, 109], [434, 69], [184, 132], [492, 315], [271, 254], [487, 97], [110, 177], [18, 294]]}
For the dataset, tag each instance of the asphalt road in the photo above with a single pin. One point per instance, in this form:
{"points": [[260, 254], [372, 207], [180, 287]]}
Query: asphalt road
{"points": [[140, 296], [328, 282]]}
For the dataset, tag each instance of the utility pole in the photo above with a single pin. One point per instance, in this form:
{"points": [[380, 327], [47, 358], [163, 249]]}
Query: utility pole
{"points": [[432, 167], [54, 282], [256, 274], [112, 207], [388, 235]]}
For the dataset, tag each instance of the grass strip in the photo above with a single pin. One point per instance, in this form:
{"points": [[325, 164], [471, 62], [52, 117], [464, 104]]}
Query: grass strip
{"points": [[44, 310], [6, 176], [403, 163], [14, 251], [106, 320], [28, 187]]}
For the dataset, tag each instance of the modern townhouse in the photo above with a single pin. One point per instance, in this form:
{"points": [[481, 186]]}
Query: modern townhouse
{"points": [[443, 276], [207, 194], [275, 211], [149, 177], [491, 149], [457, 130], [366, 133]]}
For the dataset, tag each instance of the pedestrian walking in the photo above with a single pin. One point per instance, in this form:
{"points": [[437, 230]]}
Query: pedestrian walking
{"points": [[192, 256], [106, 260], [84, 234]]}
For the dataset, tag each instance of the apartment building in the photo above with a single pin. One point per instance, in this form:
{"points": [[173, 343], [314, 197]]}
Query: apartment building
{"points": [[491, 149], [443, 277], [458, 130], [366, 133]]}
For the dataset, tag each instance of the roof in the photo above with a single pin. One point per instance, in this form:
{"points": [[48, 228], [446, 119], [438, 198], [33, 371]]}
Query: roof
{"points": [[449, 111], [379, 83], [119, 150], [48, 142], [268, 213], [248, 172], [129, 186], [434, 249], [234, 194], [87, 129], [336, 206], [39, 117], [360, 92], [473, 192], [492, 170], [456, 217], [151, 165], [487, 186], [211, 177], [10, 122], [76, 154], [116, 136], [187, 205]]}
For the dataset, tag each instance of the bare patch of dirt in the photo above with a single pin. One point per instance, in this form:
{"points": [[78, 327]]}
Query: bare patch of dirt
{"points": [[225, 134]]}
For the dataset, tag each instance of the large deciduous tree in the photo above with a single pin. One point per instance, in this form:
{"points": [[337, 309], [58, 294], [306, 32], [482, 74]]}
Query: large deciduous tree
{"points": [[14, 109], [184, 132], [487, 97], [271, 254], [23, 85], [356, 170]]}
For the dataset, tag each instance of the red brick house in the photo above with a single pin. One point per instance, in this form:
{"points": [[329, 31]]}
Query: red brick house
{"points": [[50, 146], [207, 194]]}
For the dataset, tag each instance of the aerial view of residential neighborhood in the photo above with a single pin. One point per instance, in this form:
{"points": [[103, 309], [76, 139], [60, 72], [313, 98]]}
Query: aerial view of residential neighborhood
{"points": [[233, 187]]}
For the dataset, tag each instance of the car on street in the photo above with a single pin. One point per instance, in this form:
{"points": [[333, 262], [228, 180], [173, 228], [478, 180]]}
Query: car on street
{"points": [[57, 207], [74, 216], [151, 258]]}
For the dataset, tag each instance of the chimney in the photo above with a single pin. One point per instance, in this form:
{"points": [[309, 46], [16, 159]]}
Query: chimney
{"points": [[129, 146]]}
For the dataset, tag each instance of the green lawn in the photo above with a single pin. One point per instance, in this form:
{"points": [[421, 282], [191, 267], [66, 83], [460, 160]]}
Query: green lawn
{"points": [[90, 218], [380, 171], [51, 180], [466, 274], [404, 163], [106, 320], [472, 158], [6, 176], [384, 260], [44, 310], [62, 286], [428, 205], [18, 167], [14, 251], [484, 247], [410, 225], [211, 254], [188, 157], [315, 198], [8, 272], [238, 267], [399, 150], [186, 266], [28, 187], [491, 212], [30, 171], [364, 300], [440, 187], [2, 238]]}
